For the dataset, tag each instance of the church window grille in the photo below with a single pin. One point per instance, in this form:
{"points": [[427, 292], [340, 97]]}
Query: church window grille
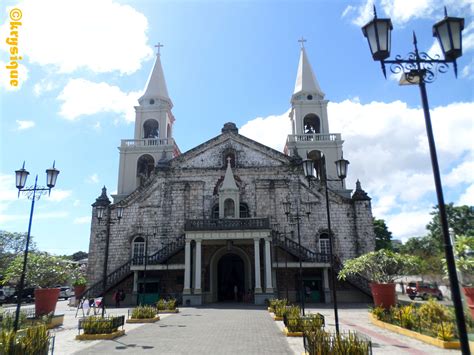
{"points": [[244, 211], [150, 129], [324, 244], [138, 249]]}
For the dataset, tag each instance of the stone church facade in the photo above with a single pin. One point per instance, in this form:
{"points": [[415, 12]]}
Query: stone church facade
{"points": [[210, 224]]}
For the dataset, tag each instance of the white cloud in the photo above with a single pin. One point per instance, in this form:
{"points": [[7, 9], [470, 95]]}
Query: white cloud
{"points": [[82, 97], [467, 198], [257, 129], [76, 203], [398, 174], [402, 11], [98, 35], [93, 179], [58, 195], [82, 220], [22, 125], [45, 85], [6, 75]]}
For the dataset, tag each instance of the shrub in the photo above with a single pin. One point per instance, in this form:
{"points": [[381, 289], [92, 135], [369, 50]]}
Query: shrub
{"points": [[378, 312], [322, 342], [7, 319], [144, 312], [99, 325], [293, 319], [31, 341], [163, 305], [405, 316], [280, 307]]}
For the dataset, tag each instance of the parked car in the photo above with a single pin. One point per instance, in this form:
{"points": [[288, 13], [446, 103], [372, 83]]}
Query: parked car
{"points": [[28, 295], [423, 290], [66, 292]]}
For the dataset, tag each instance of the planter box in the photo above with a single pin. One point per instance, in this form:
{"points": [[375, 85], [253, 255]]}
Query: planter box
{"points": [[167, 311], [110, 336], [276, 318], [422, 337], [56, 321], [292, 334], [143, 320]]}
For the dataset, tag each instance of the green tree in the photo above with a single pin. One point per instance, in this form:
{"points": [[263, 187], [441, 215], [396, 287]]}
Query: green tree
{"points": [[42, 270], [12, 244], [460, 219], [383, 237]]}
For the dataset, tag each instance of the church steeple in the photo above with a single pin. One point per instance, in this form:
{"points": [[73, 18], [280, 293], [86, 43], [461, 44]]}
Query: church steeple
{"points": [[156, 88], [153, 139], [306, 82], [229, 195]]}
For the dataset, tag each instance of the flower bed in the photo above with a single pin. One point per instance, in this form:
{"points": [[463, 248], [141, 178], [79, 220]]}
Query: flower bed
{"points": [[144, 314], [95, 327], [295, 324], [318, 341], [167, 306]]}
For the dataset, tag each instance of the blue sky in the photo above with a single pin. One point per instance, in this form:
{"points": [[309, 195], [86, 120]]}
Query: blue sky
{"points": [[85, 64]]}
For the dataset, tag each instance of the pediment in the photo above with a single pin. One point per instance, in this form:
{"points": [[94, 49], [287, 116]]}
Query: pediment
{"points": [[249, 153]]}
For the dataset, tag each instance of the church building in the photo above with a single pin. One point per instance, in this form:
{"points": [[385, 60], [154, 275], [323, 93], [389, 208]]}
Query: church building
{"points": [[230, 220]]}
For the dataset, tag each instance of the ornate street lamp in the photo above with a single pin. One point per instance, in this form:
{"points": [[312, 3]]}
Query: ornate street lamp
{"points": [[34, 193], [102, 204], [419, 68], [341, 167], [297, 215]]}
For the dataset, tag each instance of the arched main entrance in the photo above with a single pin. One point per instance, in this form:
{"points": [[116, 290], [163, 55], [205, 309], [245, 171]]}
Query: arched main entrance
{"points": [[230, 274]]}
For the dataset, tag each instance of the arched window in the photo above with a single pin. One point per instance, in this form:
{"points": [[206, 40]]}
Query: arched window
{"points": [[229, 208], [311, 124], [324, 245], [244, 211], [145, 166], [150, 129], [319, 163], [138, 250]]}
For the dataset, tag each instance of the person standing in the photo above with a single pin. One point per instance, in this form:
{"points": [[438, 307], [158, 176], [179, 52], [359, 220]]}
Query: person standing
{"points": [[117, 297]]}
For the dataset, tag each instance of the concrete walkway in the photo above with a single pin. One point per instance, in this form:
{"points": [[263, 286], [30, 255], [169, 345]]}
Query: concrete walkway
{"points": [[227, 329], [217, 330]]}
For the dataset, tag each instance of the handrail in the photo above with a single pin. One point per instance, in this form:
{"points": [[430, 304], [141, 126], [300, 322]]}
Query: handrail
{"points": [[170, 249], [293, 247]]}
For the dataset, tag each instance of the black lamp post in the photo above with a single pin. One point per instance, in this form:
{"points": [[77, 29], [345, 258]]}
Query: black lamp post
{"points": [[309, 170], [419, 68], [33, 193], [102, 204], [297, 215]]}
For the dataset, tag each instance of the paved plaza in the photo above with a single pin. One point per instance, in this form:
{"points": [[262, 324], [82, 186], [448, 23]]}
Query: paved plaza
{"points": [[227, 329]]}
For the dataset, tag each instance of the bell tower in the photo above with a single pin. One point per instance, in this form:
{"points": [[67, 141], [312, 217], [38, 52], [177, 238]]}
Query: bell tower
{"points": [[311, 138], [153, 139]]}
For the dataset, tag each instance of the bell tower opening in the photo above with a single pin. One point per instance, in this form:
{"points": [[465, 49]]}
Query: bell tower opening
{"points": [[311, 124], [150, 129], [145, 166], [230, 278]]}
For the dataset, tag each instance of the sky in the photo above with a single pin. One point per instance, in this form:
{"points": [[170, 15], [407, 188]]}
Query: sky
{"points": [[85, 63]]}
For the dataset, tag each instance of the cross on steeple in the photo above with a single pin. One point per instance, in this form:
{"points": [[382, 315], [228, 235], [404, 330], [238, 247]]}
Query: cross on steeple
{"points": [[302, 40], [158, 46]]}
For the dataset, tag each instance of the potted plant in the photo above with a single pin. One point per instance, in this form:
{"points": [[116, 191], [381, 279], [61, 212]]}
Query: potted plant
{"points": [[381, 268], [79, 281], [45, 272]]}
